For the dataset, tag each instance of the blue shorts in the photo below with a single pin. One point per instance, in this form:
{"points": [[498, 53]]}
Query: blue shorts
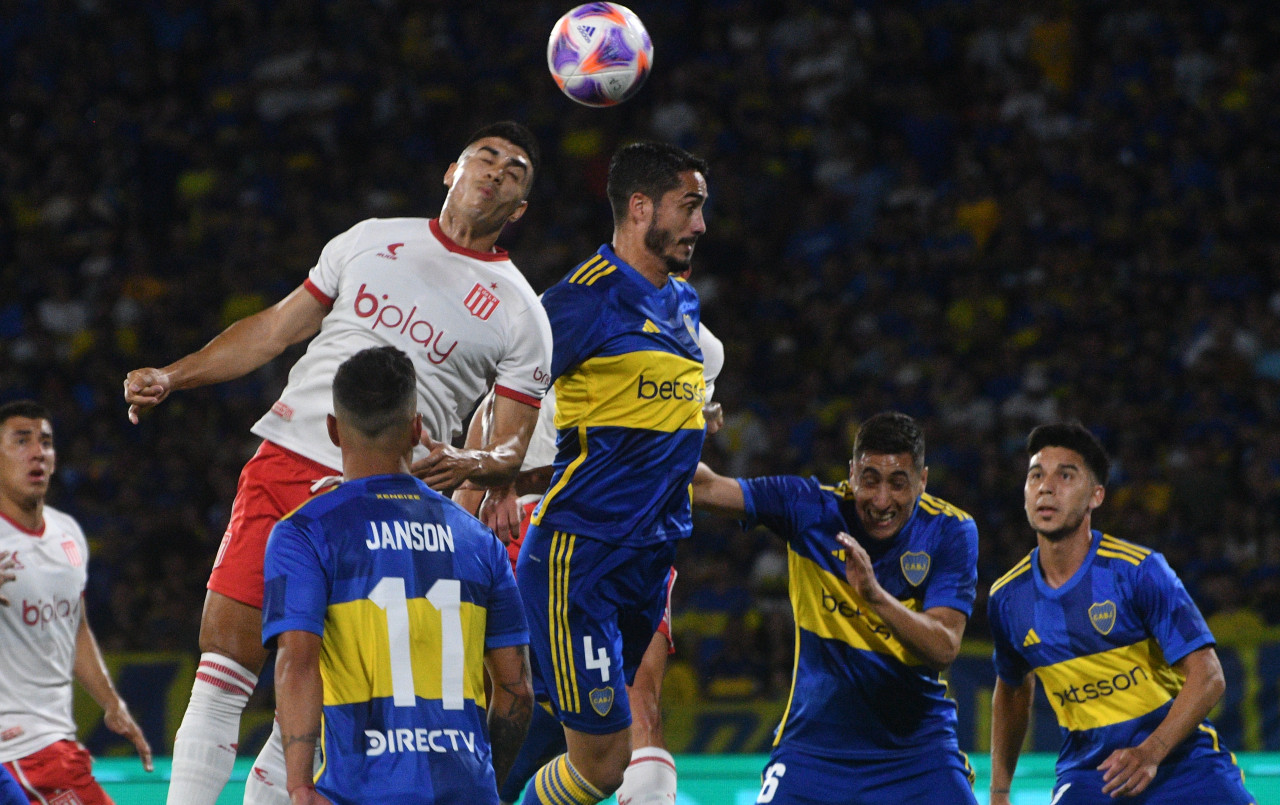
{"points": [[941, 777], [592, 608], [1213, 778]]}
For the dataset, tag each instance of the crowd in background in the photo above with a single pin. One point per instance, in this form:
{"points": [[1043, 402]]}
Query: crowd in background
{"points": [[985, 214]]}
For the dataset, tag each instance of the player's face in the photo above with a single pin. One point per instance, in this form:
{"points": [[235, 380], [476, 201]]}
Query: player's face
{"points": [[677, 222], [26, 458], [1060, 492], [885, 489], [489, 182]]}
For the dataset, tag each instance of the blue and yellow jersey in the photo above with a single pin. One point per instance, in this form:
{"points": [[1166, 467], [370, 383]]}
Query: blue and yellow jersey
{"points": [[857, 692], [1102, 646], [407, 591], [629, 394]]}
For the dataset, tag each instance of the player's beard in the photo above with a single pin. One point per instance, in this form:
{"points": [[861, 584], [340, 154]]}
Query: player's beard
{"points": [[658, 241], [1063, 531]]}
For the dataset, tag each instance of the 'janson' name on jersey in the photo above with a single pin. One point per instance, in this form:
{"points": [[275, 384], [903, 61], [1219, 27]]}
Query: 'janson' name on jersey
{"points": [[404, 535]]}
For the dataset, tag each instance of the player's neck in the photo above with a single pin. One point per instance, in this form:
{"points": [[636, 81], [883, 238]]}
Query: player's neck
{"points": [[467, 234], [27, 514], [362, 465], [1061, 558], [629, 245]]}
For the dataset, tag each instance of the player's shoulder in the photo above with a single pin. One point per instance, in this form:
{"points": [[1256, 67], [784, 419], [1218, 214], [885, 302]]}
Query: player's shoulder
{"points": [[1013, 578], [938, 508], [59, 522], [684, 289], [838, 491], [1121, 554], [593, 278]]}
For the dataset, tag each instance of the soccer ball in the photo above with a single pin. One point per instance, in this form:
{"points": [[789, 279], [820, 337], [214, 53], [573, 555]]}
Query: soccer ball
{"points": [[599, 54]]}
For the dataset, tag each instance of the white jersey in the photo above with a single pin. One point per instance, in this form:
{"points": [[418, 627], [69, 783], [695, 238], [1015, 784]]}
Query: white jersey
{"points": [[542, 444], [38, 633], [468, 320]]}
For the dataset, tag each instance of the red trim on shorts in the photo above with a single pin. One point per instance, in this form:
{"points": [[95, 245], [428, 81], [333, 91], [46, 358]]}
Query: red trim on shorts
{"points": [[652, 758], [495, 256], [321, 297], [512, 394], [23, 528]]}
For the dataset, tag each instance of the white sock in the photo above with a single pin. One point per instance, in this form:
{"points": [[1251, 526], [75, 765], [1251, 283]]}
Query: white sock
{"points": [[204, 749], [650, 778], [268, 781]]}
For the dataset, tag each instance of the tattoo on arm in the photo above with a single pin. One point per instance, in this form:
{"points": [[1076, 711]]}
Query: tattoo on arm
{"points": [[508, 727], [310, 738]]}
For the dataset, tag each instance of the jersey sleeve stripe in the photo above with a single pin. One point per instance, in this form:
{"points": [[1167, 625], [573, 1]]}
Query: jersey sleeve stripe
{"points": [[585, 268], [1117, 555], [604, 273], [593, 274], [1120, 545], [512, 394], [321, 297], [1018, 570]]}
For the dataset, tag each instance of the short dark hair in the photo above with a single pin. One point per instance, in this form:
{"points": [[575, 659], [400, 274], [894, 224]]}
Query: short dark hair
{"points": [[1073, 436], [374, 390], [514, 133], [23, 408], [650, 168], [891, 432]]}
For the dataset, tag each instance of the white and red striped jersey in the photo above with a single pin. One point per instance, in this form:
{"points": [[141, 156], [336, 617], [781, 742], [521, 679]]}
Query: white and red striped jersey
{"points": [[38, 632], [467, 319]]}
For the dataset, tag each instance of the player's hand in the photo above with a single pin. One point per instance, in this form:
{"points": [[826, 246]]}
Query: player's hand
{"points": [[500, 510], [858, 570], [714, 414], [445, 467], [7, 563], [1127, 772], [307, 795], [145, 388], [120, 721]]}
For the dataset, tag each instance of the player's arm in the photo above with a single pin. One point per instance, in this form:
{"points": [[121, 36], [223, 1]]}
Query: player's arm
{"points": [[933, 635], [1130, 770], [299, 697], [7, 563], [717, 493], [494, 465], [236, 351], [1010, 718], [511, 707], [91, 672], [469, 496]]}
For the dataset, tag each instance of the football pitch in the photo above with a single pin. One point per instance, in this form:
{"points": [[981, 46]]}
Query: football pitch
{"points": [[704, 779]]}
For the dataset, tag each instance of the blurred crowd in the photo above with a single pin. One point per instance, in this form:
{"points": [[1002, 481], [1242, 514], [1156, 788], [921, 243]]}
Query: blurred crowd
{"points": [[985, 214]]}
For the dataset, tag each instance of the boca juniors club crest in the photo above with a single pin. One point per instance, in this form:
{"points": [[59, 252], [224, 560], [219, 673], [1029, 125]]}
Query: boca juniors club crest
{"points": [[601, 700], [915, 566], [481, 302], [1103, 616]]}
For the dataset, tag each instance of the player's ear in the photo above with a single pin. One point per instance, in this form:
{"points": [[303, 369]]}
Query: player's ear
{"points": [[639, 208], [331, 422], [1099, 494], [924, 478], [448, 174], [417, 430], [519, 212]]}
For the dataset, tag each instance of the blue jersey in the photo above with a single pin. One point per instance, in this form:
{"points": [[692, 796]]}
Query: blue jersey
{"points": [[1102, 646], [407, 591], [857, 692], [629, 394]]}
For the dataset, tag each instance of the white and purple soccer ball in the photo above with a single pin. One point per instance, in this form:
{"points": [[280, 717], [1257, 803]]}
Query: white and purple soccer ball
{"points": [[599, 54]]}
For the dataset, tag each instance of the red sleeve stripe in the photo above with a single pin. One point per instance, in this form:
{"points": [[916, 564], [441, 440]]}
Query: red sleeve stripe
{"points": [[511, 394], [320, 295]]}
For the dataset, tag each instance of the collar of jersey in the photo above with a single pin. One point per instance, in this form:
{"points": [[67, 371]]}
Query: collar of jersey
{"points": [[498, 254], [44, 525], [606, 251], [1043, 586]]}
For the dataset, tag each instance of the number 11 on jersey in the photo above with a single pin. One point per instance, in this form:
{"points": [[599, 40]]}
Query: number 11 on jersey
{"points": [[446, 596]]}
